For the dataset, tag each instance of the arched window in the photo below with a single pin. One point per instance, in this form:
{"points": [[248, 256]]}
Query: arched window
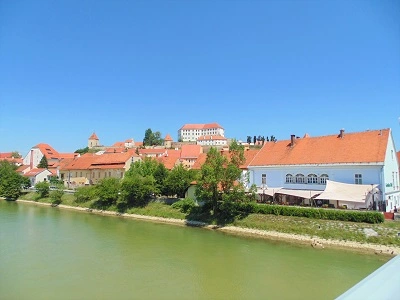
{"points": [[323, 178], [300, 178], [312, 178], [289, 178]]}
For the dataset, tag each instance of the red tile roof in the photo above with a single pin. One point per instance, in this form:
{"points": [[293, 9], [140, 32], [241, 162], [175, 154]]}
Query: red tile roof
{"points": [[200, 126], [170, 159], [248, 156], [358, 147], [93, 137], [190, 151], [6, 155], [154, 151], [47, 151], [34, 172], [103, 161]]}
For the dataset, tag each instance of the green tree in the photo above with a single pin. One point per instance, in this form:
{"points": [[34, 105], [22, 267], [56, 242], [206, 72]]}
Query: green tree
{"points": [[85, 193], [43, 163], [152, 138], [43, 189], [178, 181], [212, 172], [107, 190], [136, 190], [56, 196], [82, 150], [11, 182], [15, 154], [220, 177], [160, 175]]}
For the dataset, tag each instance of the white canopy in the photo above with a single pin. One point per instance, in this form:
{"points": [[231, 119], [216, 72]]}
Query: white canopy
{"points": [[307, 194], [345, 191], [268, 191]]}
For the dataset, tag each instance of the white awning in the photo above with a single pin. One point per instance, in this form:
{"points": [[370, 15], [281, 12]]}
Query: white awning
{"points": [[307, 194], [268, 191], [345, 191]]}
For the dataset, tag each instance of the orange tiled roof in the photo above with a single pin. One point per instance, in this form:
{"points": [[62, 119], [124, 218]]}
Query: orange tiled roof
{"points": [[34, 172], [248, 156], [358, 147], [22, 168], [12, 160], [211, 137], [190, 151], [67, 155], [47, 151], [6, 155], [152, 151], [168, 138], [93, 136], [103, 161], [170, 159], [200, 126]]}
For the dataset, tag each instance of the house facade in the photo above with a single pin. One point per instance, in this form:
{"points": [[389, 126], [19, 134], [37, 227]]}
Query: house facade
{"points": [[191, 132], [90, 168], [212, 140], [304, 165]]}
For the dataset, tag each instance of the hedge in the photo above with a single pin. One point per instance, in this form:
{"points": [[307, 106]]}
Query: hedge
{"points": [[314, 213]]}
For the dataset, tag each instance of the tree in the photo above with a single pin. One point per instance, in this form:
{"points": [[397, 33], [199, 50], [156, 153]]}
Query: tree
{"points": [[82, 150], [273, 139], [107, 190], [11, 182], [178, 181], [15, 154], [84, 194], [43, 163], [212, 172], [220, 177], [43, 189], [135, 191], [248, 139], [254, 140], [152, 138]]}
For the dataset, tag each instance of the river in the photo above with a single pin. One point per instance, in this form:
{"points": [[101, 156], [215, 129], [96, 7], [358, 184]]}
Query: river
{"points": [[52, 253]]}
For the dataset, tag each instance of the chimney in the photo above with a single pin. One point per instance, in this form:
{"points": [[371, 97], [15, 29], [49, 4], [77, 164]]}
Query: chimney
{"points": [[292, 139], [341, 134]]}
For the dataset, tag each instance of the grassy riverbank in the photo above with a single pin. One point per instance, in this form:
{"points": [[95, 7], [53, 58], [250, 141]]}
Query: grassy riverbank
{"points": [[341, 232]]}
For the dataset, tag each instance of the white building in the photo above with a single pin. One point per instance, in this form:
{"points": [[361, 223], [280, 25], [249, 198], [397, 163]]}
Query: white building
{"points": [[212, 140], [302, 166], [191, 132]]}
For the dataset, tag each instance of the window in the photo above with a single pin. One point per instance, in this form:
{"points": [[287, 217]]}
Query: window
{"points": [[289, 178], [300, 178], [358, 179], [264, 178], [312, 178], [109, 174], [323, 178]]}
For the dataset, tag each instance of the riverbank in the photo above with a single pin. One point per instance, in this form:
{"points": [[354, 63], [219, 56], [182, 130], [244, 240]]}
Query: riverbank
{"points": [[313, 241]]}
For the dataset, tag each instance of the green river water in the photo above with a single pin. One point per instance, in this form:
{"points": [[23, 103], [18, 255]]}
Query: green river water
{"points": [[52, 253]]}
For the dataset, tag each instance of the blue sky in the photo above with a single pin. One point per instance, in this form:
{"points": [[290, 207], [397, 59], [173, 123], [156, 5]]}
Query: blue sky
{"points": [[68, 68]]}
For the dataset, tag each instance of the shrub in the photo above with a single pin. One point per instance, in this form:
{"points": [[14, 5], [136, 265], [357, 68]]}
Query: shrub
{"points": [[318, 213], [84, 194], [43, 189], [56, 196], [184, 205]]}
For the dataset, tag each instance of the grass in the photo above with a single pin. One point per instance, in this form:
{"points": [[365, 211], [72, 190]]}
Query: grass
{"points": [[158, 209], [327, 229]]}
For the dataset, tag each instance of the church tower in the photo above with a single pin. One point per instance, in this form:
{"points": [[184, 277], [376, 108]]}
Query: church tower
{"points": [[93, 141]]}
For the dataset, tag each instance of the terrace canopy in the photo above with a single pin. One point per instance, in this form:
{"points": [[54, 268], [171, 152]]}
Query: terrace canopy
{"points": [[345, 192], [306, 194]]}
